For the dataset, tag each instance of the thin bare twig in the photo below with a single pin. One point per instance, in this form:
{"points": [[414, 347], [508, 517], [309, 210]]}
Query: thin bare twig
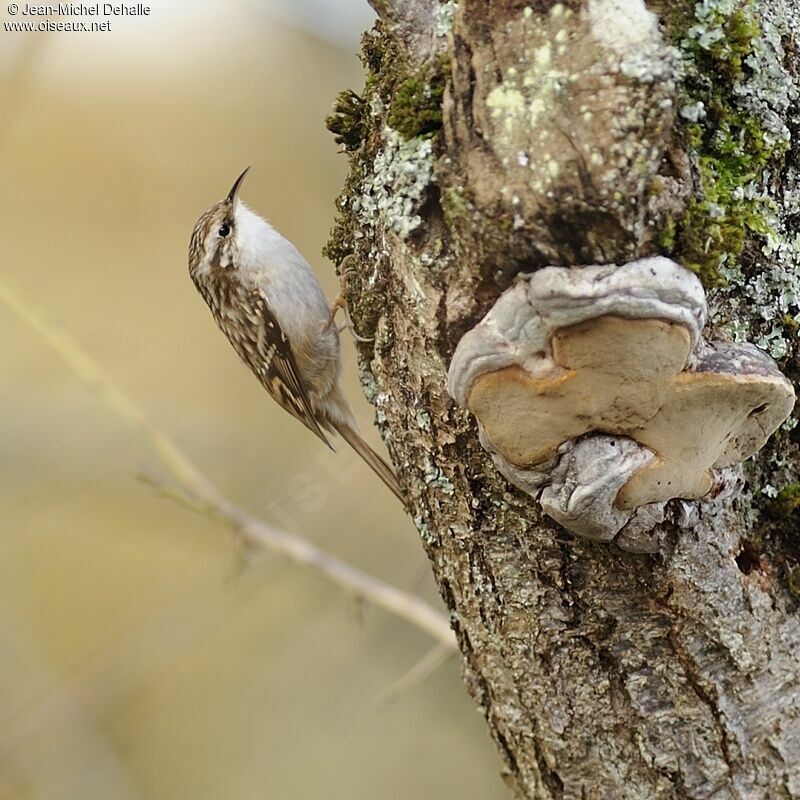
{"points": [[196, 490], [439, 654], [255, 532]]}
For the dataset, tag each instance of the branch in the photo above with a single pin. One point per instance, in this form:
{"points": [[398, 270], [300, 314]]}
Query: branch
{"points": [[195, 489], [254, 532], [418, 674]]}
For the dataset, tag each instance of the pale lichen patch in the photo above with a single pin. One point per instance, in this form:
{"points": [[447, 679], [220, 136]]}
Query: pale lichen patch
{"points": [[433, 476], [622, 24], [401, 173], [443, 23]]}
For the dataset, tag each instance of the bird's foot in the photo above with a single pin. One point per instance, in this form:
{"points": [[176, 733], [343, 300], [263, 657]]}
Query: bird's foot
{"points": [[341, 304]]}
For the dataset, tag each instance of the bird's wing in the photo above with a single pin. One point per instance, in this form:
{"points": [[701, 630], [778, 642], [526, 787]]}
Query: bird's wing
{"points": [[278, 369]]}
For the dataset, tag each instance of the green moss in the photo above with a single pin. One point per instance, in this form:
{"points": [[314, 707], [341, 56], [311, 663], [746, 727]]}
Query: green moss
{"points": [[729, 147], [786, 503], [453, 204], [740, 29], [791, 325], [666, 238], [416, 106], [347, 123]]}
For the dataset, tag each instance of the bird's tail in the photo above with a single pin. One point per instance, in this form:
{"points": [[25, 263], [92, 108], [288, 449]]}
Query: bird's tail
{"points": [[378, 465]]}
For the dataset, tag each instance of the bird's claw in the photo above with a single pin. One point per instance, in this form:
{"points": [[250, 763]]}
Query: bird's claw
{"points": [[349, 325], [341, 303]]}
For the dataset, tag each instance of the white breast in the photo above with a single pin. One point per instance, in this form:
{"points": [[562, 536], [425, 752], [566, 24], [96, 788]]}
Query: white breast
{"points": [[273, 263]]}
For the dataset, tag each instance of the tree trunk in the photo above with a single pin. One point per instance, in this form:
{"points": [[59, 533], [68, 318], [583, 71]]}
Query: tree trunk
{"points": [[493, 138]]}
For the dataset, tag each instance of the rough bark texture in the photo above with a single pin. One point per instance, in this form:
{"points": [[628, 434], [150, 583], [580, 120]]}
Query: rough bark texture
{"points": [[507, 136]]}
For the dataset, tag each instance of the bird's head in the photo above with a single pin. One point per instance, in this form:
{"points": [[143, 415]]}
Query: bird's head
{"points": [[214, 243]]}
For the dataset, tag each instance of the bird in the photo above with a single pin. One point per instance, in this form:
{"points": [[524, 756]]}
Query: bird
{"points": [[267, 300]]}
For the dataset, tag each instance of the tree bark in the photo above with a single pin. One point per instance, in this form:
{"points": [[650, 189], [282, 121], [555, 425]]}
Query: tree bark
{"points": [[495, 137]]}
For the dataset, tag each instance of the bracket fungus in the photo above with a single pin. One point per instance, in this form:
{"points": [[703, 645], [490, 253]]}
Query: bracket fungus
{"points": [[595, 392]]}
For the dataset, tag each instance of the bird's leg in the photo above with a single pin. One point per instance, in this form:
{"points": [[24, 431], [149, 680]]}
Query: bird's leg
{"points": [[341, 303], [338, 303], [344, 275]]}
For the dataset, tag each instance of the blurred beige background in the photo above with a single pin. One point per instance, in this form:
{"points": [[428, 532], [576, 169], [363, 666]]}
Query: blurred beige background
{"points": [[138, 659]]}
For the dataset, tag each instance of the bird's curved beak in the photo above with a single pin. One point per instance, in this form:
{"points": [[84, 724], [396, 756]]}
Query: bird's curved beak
{"points": [[231, 198]]}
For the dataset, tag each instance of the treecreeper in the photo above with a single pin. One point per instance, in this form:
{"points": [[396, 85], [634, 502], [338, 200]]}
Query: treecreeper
{"points": [[267, 300]]}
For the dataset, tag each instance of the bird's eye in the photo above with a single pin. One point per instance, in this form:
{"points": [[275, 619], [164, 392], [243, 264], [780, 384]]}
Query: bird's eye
{"points": [[224, 230]]}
